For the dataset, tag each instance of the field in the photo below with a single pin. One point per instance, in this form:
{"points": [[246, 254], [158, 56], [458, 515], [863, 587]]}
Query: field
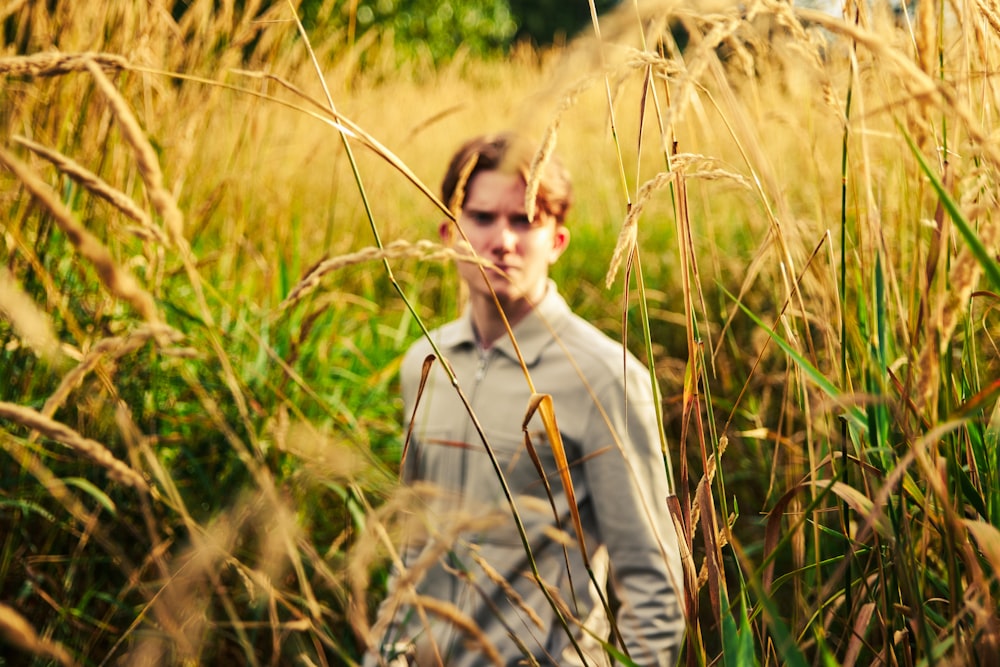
{"points": [[219, 237]]}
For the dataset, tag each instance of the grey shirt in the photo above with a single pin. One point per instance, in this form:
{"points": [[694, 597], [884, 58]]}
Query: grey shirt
{"points": [[465, 549]]}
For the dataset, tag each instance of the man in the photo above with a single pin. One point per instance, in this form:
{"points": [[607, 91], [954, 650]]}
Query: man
{"points": [[495, 572]]}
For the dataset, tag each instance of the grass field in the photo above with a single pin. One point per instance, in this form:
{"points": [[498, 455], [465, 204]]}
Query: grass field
{"points": [[219, 236]]}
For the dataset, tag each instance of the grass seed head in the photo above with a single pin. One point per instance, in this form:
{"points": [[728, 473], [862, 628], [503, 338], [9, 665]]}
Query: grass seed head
{"points": [[16, 631], [32, 324]]}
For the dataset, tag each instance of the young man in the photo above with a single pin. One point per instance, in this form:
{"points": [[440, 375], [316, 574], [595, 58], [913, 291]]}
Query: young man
{"points": [[494, 572]]}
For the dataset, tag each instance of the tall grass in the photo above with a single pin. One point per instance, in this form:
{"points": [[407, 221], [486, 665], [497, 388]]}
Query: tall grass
{"points": [[200, 469]]}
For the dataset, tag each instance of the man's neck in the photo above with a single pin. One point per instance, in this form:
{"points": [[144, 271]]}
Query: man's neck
{"points": [[488, 321]]}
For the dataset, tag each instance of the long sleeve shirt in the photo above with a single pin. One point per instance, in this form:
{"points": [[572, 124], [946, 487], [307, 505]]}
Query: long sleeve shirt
{"points": [[465, 549]]}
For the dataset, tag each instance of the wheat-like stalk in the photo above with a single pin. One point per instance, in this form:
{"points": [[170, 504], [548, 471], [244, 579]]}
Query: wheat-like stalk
{"points": [[409, 504], [926, 37], [452, 614], [13, 7], [458, 196], [146, 159], [661, 66], [952, 306], [546, 150], [63, 434], [692, 166], [118, 280], [56, 63], [17, 631], [422, 249], [99, 187], [708, 477], [512, 595], [989, 11], [31, 323], [539, 162], [629, 231]]}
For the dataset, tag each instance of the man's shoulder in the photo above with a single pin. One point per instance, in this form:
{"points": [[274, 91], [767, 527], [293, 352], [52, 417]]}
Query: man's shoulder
{"points": [[589, 345], [421, 347]]}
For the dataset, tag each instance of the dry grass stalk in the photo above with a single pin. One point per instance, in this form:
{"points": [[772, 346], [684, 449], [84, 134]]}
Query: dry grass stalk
{"points": [[16, 238], [988, 9], [405, 503], [32, 325], [180, 604], [145, 156], [117, 470], [802, 41], [321, 456], [540, 159], [99, 187], [539, 162], [914, 80], [55, 63], [699, 59], [740, 55], [454, 615], [423, 249], [119, 281], [458, 196], [629, 232], [707, 479], [663, 67], [17, 632], [680, 163], [411, 504], [707, 169], [926, 36], [962, 280], [504, 585]]}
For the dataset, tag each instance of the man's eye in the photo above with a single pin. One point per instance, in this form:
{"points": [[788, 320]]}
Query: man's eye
{"points": [[480, 217], [522, 222]]}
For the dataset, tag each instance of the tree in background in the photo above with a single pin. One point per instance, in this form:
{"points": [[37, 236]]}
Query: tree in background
{"points": [[440, 29], [436, 28], [547, 21]]}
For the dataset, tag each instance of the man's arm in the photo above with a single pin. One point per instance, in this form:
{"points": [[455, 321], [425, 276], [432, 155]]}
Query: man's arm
{"points": [[629, 488]]}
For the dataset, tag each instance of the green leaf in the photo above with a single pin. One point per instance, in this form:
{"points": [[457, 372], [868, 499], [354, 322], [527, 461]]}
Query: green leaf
{"points": [[88, 487], [737, 642], [27, 507], [990, 266], [853, 413]]}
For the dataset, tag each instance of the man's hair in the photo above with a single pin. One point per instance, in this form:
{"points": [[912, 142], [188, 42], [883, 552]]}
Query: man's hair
{"points": [[511, 153]]}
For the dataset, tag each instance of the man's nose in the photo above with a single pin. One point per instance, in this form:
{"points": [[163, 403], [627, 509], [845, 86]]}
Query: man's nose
{"points": [[506, 238]]}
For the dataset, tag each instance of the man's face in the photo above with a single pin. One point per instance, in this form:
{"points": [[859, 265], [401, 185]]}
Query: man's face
{"points": [[494, 220]]}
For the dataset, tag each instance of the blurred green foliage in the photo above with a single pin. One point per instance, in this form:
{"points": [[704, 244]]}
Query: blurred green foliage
{"points": [[483, 27], [440, 29]]}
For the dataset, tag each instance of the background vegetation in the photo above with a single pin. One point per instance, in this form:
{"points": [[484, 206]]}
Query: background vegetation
{"points": [[213, 258]]}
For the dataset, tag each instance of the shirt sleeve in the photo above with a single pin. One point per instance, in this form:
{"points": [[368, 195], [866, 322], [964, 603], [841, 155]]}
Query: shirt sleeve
{"points": [[629, 488]]}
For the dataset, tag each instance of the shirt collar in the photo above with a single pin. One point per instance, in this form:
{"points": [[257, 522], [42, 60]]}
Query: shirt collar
{"points": [[532, 334]]}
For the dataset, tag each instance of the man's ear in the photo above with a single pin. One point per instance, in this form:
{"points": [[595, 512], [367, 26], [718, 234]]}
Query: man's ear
{"points": [[446, 231], [560, 240]]}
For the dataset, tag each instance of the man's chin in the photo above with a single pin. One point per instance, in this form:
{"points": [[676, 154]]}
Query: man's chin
{"points": [[505, 292], [501, 285]]}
